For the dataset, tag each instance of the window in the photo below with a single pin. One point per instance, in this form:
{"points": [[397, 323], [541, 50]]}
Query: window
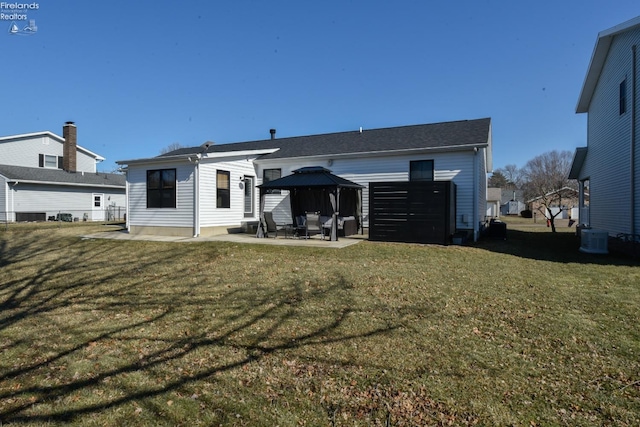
{"points": [[50, 161], [161, 188], [223, 193], [421, 170], [623, 97], [248, 196], [271, 175]]}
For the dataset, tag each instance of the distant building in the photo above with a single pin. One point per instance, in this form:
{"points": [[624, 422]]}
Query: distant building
{"points": [[43, 174]]}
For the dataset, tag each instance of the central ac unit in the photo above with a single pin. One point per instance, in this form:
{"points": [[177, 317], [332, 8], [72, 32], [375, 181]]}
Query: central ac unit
{"points": [[594, 241]]}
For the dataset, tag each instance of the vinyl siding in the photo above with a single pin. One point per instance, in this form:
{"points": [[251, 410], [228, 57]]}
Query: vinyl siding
{"points": [[210, 215], [53, 199], [25, 151], [607, 165], [4, 199], [180, 216]]}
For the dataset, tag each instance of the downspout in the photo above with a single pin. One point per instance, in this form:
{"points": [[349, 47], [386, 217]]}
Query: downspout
{"points": [[633, 143], [196, 196]]}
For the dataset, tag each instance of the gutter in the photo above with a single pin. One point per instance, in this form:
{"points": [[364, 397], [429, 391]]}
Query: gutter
{"points": [[70, 184]]}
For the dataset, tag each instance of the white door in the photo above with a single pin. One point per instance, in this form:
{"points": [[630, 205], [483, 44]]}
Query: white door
{"points": [[97, 212]]}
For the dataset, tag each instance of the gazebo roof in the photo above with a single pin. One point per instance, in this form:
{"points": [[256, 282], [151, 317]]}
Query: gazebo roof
{"points": [[309, 177]]}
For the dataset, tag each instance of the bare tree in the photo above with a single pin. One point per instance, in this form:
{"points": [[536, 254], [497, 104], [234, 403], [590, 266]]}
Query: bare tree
{"points": [[546, 177], [508, 178], [172, 147]]}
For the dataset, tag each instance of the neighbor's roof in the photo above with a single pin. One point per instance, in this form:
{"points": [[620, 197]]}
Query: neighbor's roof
{"points": [[50, 135], [61, 177], [578, 160], [603, 43], [446, 135], [313, 176]]}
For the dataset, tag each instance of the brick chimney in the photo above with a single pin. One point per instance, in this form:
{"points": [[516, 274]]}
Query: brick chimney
{"points": [[69, 133]]}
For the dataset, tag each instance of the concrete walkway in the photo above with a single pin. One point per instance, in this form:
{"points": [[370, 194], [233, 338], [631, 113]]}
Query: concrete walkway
{"points": [[315, 241]]}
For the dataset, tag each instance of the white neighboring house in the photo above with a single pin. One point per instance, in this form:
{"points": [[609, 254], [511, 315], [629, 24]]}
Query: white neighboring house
{"points": [[211, 189], [43, 174], [608, 168]]}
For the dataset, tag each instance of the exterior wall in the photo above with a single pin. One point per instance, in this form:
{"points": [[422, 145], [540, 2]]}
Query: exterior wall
{"points": [[607, 164], [210, 215], [4, 200], [181, 217], [455, 166], [24, 152], [54, 199]]}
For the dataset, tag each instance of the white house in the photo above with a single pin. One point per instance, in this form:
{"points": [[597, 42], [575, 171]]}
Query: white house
{"points": [[211, 189], [43, 174], [608, 168]]}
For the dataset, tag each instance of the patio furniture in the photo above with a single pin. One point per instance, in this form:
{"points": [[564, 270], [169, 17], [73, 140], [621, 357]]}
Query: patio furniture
{"points": [[271, 226], [312, 225]]}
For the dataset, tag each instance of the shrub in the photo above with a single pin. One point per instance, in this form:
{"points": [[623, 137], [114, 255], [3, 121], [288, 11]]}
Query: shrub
{"points": [[526, 213]]}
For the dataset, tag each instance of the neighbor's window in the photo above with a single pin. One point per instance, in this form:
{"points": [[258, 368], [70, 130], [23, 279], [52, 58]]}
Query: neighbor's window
{"points": [[421, 170], [50, 161], [161, 188], [623, 97], [271, 175], [223, 185]]}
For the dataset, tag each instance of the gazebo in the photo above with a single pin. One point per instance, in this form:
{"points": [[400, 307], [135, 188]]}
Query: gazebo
{"points": [[316, 189]]}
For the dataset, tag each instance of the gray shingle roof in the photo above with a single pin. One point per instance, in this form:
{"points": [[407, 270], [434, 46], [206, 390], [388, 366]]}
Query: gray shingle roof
{"points": [[436, 135], [59, 176]]}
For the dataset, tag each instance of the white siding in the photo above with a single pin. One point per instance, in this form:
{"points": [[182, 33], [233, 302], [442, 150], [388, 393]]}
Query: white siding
{"points": [[180, 216], [607, 165], [210, 215], [4, 199], [53, 199]]}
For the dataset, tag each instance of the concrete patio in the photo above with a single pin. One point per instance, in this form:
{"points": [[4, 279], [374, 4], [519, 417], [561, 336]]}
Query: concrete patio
{"points": [[315, 241]]}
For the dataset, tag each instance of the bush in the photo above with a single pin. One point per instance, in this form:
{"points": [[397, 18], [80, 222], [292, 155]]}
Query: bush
{"points": [[526, 213]]}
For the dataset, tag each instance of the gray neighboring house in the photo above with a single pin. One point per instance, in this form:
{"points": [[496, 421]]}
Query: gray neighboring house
{"points": [[43, 174], [504, 202], [608, 168], [212, 189]]}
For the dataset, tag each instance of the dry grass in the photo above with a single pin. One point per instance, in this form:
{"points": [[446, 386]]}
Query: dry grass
{"points": [[519, 332]]}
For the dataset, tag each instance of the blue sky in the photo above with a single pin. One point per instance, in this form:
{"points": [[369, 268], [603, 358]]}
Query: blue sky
{"points": [[139, 76]]}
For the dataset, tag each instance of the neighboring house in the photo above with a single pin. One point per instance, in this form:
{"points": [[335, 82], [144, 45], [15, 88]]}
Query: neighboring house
{"points": [[211, 189], [504, 202], [609, 166], [43, 174], [563, 203]]}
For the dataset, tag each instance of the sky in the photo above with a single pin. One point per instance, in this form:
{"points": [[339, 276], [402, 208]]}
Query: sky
{"points": [[139, 76]]}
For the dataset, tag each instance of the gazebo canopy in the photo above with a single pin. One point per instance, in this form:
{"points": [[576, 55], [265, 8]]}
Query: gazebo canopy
{"points": [[316, 189], [309, 177]]}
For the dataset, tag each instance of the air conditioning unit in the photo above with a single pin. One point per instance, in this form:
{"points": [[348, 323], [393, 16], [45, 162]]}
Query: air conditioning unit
{"points": [[594, 241]]}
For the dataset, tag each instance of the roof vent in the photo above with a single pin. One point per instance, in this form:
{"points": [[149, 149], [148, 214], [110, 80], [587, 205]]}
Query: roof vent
{"points": [[273, 133]]}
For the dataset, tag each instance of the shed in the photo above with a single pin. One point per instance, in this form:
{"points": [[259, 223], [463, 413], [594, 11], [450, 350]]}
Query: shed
{"points": [[316, 189]]}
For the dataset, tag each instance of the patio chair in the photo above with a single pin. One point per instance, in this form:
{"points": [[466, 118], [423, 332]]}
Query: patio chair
{"points": [[272, 227], [312, 225]]}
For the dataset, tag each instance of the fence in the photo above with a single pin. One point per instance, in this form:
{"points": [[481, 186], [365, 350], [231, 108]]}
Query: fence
{"points": [[109, 214]]}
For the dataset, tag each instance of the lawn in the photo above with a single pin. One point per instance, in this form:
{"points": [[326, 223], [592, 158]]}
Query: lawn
{"points": [[522, 332]]}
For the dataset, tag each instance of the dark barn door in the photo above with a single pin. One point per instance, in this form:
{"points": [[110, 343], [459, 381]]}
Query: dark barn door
{"points": [[413, 212]]}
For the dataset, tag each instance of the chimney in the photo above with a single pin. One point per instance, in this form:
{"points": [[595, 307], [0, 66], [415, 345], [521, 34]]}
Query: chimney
{"points": [[273, 133], [69, 133]]}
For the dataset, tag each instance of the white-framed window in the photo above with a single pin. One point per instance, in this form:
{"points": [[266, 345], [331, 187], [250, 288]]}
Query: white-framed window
{"points": [[50, 161]]}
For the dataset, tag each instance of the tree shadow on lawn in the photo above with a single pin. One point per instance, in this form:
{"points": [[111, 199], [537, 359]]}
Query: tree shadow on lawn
{"points": [[560, 247], [259, 324]]}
